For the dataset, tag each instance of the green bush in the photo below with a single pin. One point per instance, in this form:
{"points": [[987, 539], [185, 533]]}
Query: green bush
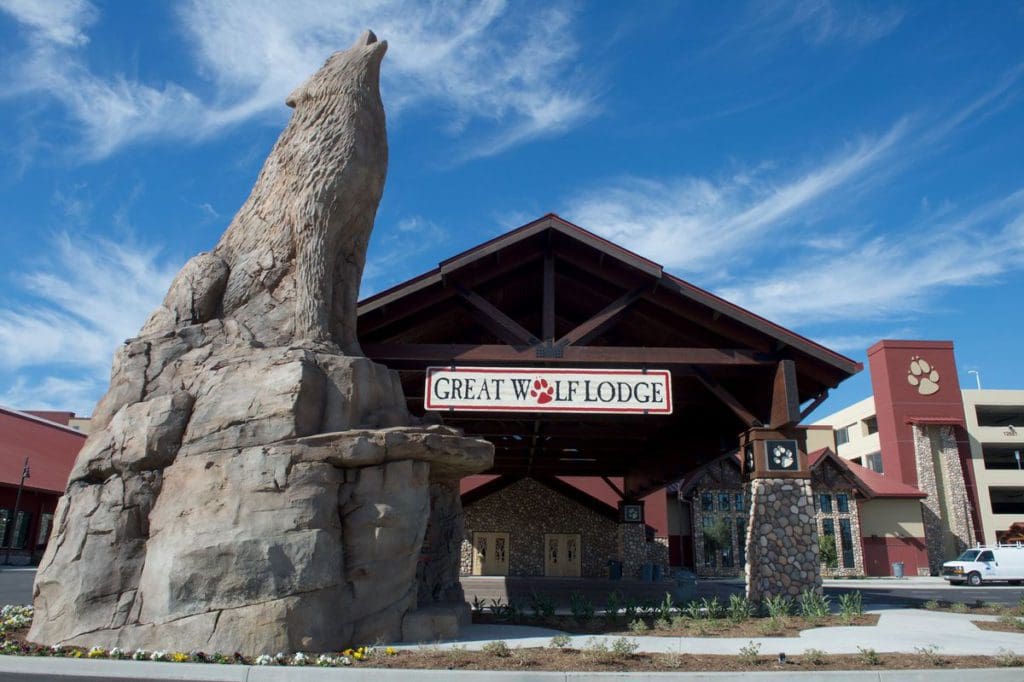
{"points": [[815, 656], [827, 551], [612, 606], [560, 641], [869, 656], [778, 606], [638, 626], [581, 607], [814, 604], [623, 647], [542, 605], [497, 648], [851, 604], [749, 653], [740, 608], [665, 608]]}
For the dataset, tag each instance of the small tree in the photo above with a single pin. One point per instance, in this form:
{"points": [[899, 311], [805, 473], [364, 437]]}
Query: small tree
{"points": [[717, 537], [827, 550]]}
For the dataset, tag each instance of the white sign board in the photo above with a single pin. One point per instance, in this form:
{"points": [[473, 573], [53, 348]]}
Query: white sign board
{"points": [[527, 389]]}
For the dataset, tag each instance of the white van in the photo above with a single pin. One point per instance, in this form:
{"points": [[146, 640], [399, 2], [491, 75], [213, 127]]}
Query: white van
{"points": [[985, 564]]}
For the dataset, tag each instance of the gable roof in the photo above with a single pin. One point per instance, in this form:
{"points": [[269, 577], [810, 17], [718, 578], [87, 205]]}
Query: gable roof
{"points": [[552, 222]]}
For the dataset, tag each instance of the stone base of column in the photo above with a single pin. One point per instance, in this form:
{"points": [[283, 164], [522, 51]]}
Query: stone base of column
{"points": [[632, 549], [782, 540], [946, 512]]}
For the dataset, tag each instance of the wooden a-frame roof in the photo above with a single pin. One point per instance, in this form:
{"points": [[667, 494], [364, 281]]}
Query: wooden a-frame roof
{"points": [[553, 294]]}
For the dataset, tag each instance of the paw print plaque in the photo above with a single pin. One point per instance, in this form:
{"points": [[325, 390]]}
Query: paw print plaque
{"points": [[782, 455], [923, 376]]}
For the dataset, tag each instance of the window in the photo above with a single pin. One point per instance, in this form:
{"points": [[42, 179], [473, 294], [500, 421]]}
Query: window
{"points": [[986, 556], [710, 546], [1000, 415], [843, 503], [846, 535], [843, 435], [1003, 456], [724, 502], [44, 530], [1007, 500], [870, 425], [741, 539], [739, 502], [825, 503], [874, 462], [828, 527]]}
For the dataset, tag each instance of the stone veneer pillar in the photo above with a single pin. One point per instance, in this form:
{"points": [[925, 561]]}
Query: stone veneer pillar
{"points": [[632, 548], [782, 539], [946, 512]]}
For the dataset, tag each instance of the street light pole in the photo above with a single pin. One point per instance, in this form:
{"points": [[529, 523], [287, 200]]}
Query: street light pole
{"points": [[977, 376], [14, 521]]}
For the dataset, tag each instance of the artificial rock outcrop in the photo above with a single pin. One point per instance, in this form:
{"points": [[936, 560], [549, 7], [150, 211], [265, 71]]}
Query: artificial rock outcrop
{"points": [[252, 483]]}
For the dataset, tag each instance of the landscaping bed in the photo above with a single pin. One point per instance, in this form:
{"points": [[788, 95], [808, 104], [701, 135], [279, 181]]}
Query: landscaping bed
{"points": [[1006, 623], [977, 607]]}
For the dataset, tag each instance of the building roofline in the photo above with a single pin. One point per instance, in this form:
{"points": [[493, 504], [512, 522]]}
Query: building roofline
{"points": [[41, 421]]}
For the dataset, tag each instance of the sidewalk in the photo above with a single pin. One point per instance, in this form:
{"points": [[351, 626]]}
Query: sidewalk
{"points": [[899, 630]]}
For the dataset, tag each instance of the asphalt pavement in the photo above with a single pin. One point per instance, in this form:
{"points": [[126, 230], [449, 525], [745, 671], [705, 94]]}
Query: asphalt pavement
{"points": [[16, 585]]}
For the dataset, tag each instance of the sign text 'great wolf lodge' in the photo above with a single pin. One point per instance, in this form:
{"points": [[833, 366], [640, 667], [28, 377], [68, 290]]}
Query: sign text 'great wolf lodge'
{"points": [[526, 389]]}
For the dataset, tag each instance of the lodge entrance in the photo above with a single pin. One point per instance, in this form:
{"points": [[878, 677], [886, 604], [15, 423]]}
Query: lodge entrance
{"points": [[551, 296], [490, 555], [562, 555]]}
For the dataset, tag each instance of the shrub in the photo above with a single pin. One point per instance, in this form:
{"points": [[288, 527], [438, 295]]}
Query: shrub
{"points": [[497, 648], [958, 607], [665, 608], [869, 656], [931, 605], [693, 610], [778, 606], [930, 653], [749, 653], [582, 608], [638, 626], [663, 624], [478, 603], [542, 605], [596, 649], [740, 608], [560, 641], [674, 659], [457, 654], [623, 647], [630, 610], [814, 604], [612, 606], [1008, 659], [851, 604], [770, 626], [498, 610], [712, 608], [815, 656]]}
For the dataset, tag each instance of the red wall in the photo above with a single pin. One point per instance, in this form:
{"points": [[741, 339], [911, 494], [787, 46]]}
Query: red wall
{"points": [[880, 553], [35, 502]]}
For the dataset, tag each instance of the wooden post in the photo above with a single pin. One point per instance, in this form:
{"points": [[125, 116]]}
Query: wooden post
{"points": [[17, 504]]}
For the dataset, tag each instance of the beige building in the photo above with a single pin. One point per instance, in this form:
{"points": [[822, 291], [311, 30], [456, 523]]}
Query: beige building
{"points": [[995, 429]]}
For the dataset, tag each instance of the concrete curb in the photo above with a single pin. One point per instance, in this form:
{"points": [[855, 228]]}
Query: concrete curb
{"points": [[62, 667]]}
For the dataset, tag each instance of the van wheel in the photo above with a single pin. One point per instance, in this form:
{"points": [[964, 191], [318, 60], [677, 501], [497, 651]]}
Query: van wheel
{"points": [[974, 579]]}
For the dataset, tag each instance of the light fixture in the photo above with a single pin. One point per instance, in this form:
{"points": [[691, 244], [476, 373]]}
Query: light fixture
{"points": [[576, 459], [782, 658]]}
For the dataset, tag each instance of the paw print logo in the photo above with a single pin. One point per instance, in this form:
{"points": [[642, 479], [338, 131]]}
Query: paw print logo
{"points": [[542, 391], [923, 376], [783, 457]]}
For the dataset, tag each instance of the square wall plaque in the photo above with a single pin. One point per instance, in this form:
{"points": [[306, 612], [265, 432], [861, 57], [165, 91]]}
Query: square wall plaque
{"points": [[781, 455]]}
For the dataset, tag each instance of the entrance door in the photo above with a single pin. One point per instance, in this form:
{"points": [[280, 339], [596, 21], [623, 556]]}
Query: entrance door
{"points": [[562, 555], [490, 553]]}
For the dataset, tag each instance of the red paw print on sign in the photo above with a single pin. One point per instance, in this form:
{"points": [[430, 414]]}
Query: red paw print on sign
{"points": [[542, 391]]}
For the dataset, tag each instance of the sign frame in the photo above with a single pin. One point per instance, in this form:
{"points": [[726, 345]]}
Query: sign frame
{"points": [[662, 376]]}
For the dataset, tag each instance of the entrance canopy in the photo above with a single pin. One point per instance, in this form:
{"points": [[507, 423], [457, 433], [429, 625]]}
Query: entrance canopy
{"points": [[552, 295]]}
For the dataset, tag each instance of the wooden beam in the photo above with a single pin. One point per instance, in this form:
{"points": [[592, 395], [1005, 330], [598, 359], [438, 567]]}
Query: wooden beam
{"points": [[511, 329], [818, 400], [614, 487], [603, 320], [443, 353], [548, 305], [729, 399], [785, 398]]}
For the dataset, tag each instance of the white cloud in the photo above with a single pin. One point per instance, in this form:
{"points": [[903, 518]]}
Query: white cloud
{"points": [[693, 225], [822, 22], [502, 72], [73, 312], [58, 21]]}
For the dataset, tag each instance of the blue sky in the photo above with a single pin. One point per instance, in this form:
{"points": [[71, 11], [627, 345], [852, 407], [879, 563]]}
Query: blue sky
{"points": [[850, 170]]}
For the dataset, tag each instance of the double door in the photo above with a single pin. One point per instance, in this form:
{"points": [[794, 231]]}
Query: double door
{"points": [[490, 553], [562, 555]]}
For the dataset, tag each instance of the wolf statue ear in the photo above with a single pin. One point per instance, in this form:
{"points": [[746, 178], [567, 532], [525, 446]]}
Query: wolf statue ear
{"points": [[293, 99]]}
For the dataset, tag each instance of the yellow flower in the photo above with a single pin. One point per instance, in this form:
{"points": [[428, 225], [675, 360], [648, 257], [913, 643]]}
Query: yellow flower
{"points": [[179, 657], [358, 655], [347, 652], [390, 651]]}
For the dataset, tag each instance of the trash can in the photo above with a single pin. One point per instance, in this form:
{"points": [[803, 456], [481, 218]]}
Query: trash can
{"points": [[614, 569], [686, 586], [647, 572], [897, 569]]}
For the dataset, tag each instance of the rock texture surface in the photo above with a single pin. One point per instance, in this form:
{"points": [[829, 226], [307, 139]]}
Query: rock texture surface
{"points": [[782, 547], [252, 483]]}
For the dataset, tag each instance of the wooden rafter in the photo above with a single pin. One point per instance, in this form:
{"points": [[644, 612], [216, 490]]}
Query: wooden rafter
{"points": [[511, 331], [548, 304], [602, 320], [785, 400], [443, 353], [728, 398], [818, 400]]}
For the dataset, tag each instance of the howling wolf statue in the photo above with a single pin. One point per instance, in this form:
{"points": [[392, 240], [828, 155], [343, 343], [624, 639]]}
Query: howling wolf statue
{"points": [[251, 482]]}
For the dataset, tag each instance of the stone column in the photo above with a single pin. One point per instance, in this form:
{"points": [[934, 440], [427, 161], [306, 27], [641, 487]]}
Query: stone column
{"points": [[946, 512], [782, 541], [632, 549], [782, 535]]}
